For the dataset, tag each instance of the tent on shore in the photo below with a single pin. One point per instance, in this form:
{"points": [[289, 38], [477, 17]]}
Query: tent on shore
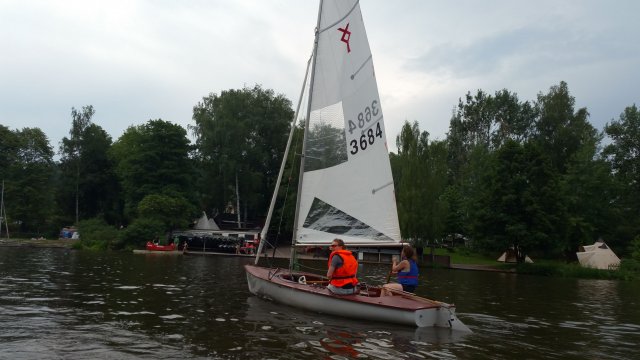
{"points": [[598, 256], [204, 223], [509, 256]]}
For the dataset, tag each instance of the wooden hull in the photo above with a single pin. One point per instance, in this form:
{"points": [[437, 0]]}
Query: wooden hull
{"points": [[281, 286]]}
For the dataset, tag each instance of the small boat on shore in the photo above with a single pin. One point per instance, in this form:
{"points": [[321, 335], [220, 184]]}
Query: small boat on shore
{"points": [[163, 253], [153, 248], [156, 247]]}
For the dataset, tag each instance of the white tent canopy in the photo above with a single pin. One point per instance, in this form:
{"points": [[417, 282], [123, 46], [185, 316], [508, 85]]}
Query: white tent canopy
{"points": [[598, 256], [204, 223], [509, 256]]}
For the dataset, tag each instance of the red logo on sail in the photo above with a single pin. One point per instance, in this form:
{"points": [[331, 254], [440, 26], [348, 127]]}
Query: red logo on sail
{"points": [[346, 35]]}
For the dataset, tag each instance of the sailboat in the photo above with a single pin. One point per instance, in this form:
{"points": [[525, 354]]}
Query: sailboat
{"points": [[345, 187]]}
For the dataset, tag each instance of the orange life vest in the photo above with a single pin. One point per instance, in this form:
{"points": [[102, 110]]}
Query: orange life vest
{"points": [[346, 274]]}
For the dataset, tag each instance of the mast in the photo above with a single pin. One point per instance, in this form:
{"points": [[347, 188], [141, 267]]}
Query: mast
{"points": [[238, 202], [304, 141], [267, 222]]}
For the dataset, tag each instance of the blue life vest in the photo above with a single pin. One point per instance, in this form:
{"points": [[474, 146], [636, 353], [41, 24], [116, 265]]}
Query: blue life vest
{"points": [[409, 277]]}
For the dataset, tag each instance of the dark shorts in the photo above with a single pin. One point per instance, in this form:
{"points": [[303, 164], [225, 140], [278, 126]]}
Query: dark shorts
{"points": [[409, 288]]}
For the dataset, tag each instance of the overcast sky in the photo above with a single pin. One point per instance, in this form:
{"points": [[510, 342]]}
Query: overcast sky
{"points": [[140, 60]]}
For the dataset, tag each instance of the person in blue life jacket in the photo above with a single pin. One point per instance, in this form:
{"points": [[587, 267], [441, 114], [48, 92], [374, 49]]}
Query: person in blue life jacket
{"points": [[407, 273], [343, 267]]}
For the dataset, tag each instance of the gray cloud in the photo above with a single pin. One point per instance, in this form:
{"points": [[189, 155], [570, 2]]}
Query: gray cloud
{"points": [[138, 60]]}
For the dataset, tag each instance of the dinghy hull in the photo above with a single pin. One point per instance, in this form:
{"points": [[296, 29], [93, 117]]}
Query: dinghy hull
{"points": [[279, 285]]}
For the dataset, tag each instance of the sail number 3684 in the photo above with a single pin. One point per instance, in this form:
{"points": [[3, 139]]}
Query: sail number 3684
{"points": [[369, 136]]}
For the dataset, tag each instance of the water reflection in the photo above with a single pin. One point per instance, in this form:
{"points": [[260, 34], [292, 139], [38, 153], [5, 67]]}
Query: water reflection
{"points": [[343, 337]]}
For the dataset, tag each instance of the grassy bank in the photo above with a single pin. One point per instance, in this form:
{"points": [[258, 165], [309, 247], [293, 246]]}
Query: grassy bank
{"points": [[629, 269], [43, 243], [464, 256]]}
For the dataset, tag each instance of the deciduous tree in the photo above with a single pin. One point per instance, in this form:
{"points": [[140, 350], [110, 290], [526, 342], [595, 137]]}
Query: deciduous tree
{"points": [[153, 158], [240, 133], [71, 147]]}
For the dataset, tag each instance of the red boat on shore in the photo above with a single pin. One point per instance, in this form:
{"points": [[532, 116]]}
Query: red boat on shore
{"points": [[156, 247]]}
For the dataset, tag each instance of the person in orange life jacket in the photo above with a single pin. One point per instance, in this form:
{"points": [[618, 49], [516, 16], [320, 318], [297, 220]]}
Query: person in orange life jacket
{"points": [[407, 272], [343, 267]]}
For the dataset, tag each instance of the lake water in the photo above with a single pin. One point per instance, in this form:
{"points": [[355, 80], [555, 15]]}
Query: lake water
{"points": [[61, 304]]}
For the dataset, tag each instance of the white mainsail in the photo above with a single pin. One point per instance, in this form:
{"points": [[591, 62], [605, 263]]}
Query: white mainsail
{"points": [[347, 187]]}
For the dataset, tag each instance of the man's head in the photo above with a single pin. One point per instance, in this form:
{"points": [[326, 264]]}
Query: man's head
{"points": [[337, 244]]}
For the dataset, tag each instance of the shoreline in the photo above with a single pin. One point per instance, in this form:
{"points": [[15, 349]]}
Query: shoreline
{"points": [[281, 253], [38, 243]]}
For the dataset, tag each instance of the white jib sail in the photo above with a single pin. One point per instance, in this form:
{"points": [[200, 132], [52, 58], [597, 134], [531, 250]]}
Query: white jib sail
{"points": [[347, 189]]}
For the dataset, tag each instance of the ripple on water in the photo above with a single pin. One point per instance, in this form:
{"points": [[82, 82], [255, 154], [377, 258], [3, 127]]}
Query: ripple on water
{"points": [[40, 299], [133, 313], [174, 337], [171, 317], [580, 325], [127, 287], [29, 310]]}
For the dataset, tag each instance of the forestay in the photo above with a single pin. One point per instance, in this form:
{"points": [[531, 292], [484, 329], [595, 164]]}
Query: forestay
{"points": [[347, 187]]}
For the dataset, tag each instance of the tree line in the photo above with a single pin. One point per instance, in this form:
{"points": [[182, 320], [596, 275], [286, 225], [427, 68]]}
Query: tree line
{"points": [[151, 179], [533, 176], [536, 176]]}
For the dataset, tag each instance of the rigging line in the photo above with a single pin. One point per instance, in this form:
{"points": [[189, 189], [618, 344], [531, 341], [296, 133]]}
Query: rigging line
{"points": [[274, 197], [344, 17], [382, 187], [361, 66], [311, 268], [286, 195], [296, 214]]}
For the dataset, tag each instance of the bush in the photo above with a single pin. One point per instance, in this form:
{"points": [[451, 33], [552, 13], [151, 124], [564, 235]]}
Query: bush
{"points": [[96, 234], [635, 248], [538, 269], [629, 269], [139, 232]]}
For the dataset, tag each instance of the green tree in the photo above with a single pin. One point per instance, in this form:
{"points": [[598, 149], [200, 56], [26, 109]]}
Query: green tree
{"points": [[153, 158], [98, 184], [560, 130], [240, 135], [623, 153], [28, 194], [473, 186], [480, 126], [587, 189], [521, 209], [436, 205], [420, 175], [490, 120], [571, 142], [408, 178], [71, 148], [9, 145], [95, 192], [173, 212]]}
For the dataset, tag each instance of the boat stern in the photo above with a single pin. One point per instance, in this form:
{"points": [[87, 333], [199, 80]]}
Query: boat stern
{"points": [[447, 318]]}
